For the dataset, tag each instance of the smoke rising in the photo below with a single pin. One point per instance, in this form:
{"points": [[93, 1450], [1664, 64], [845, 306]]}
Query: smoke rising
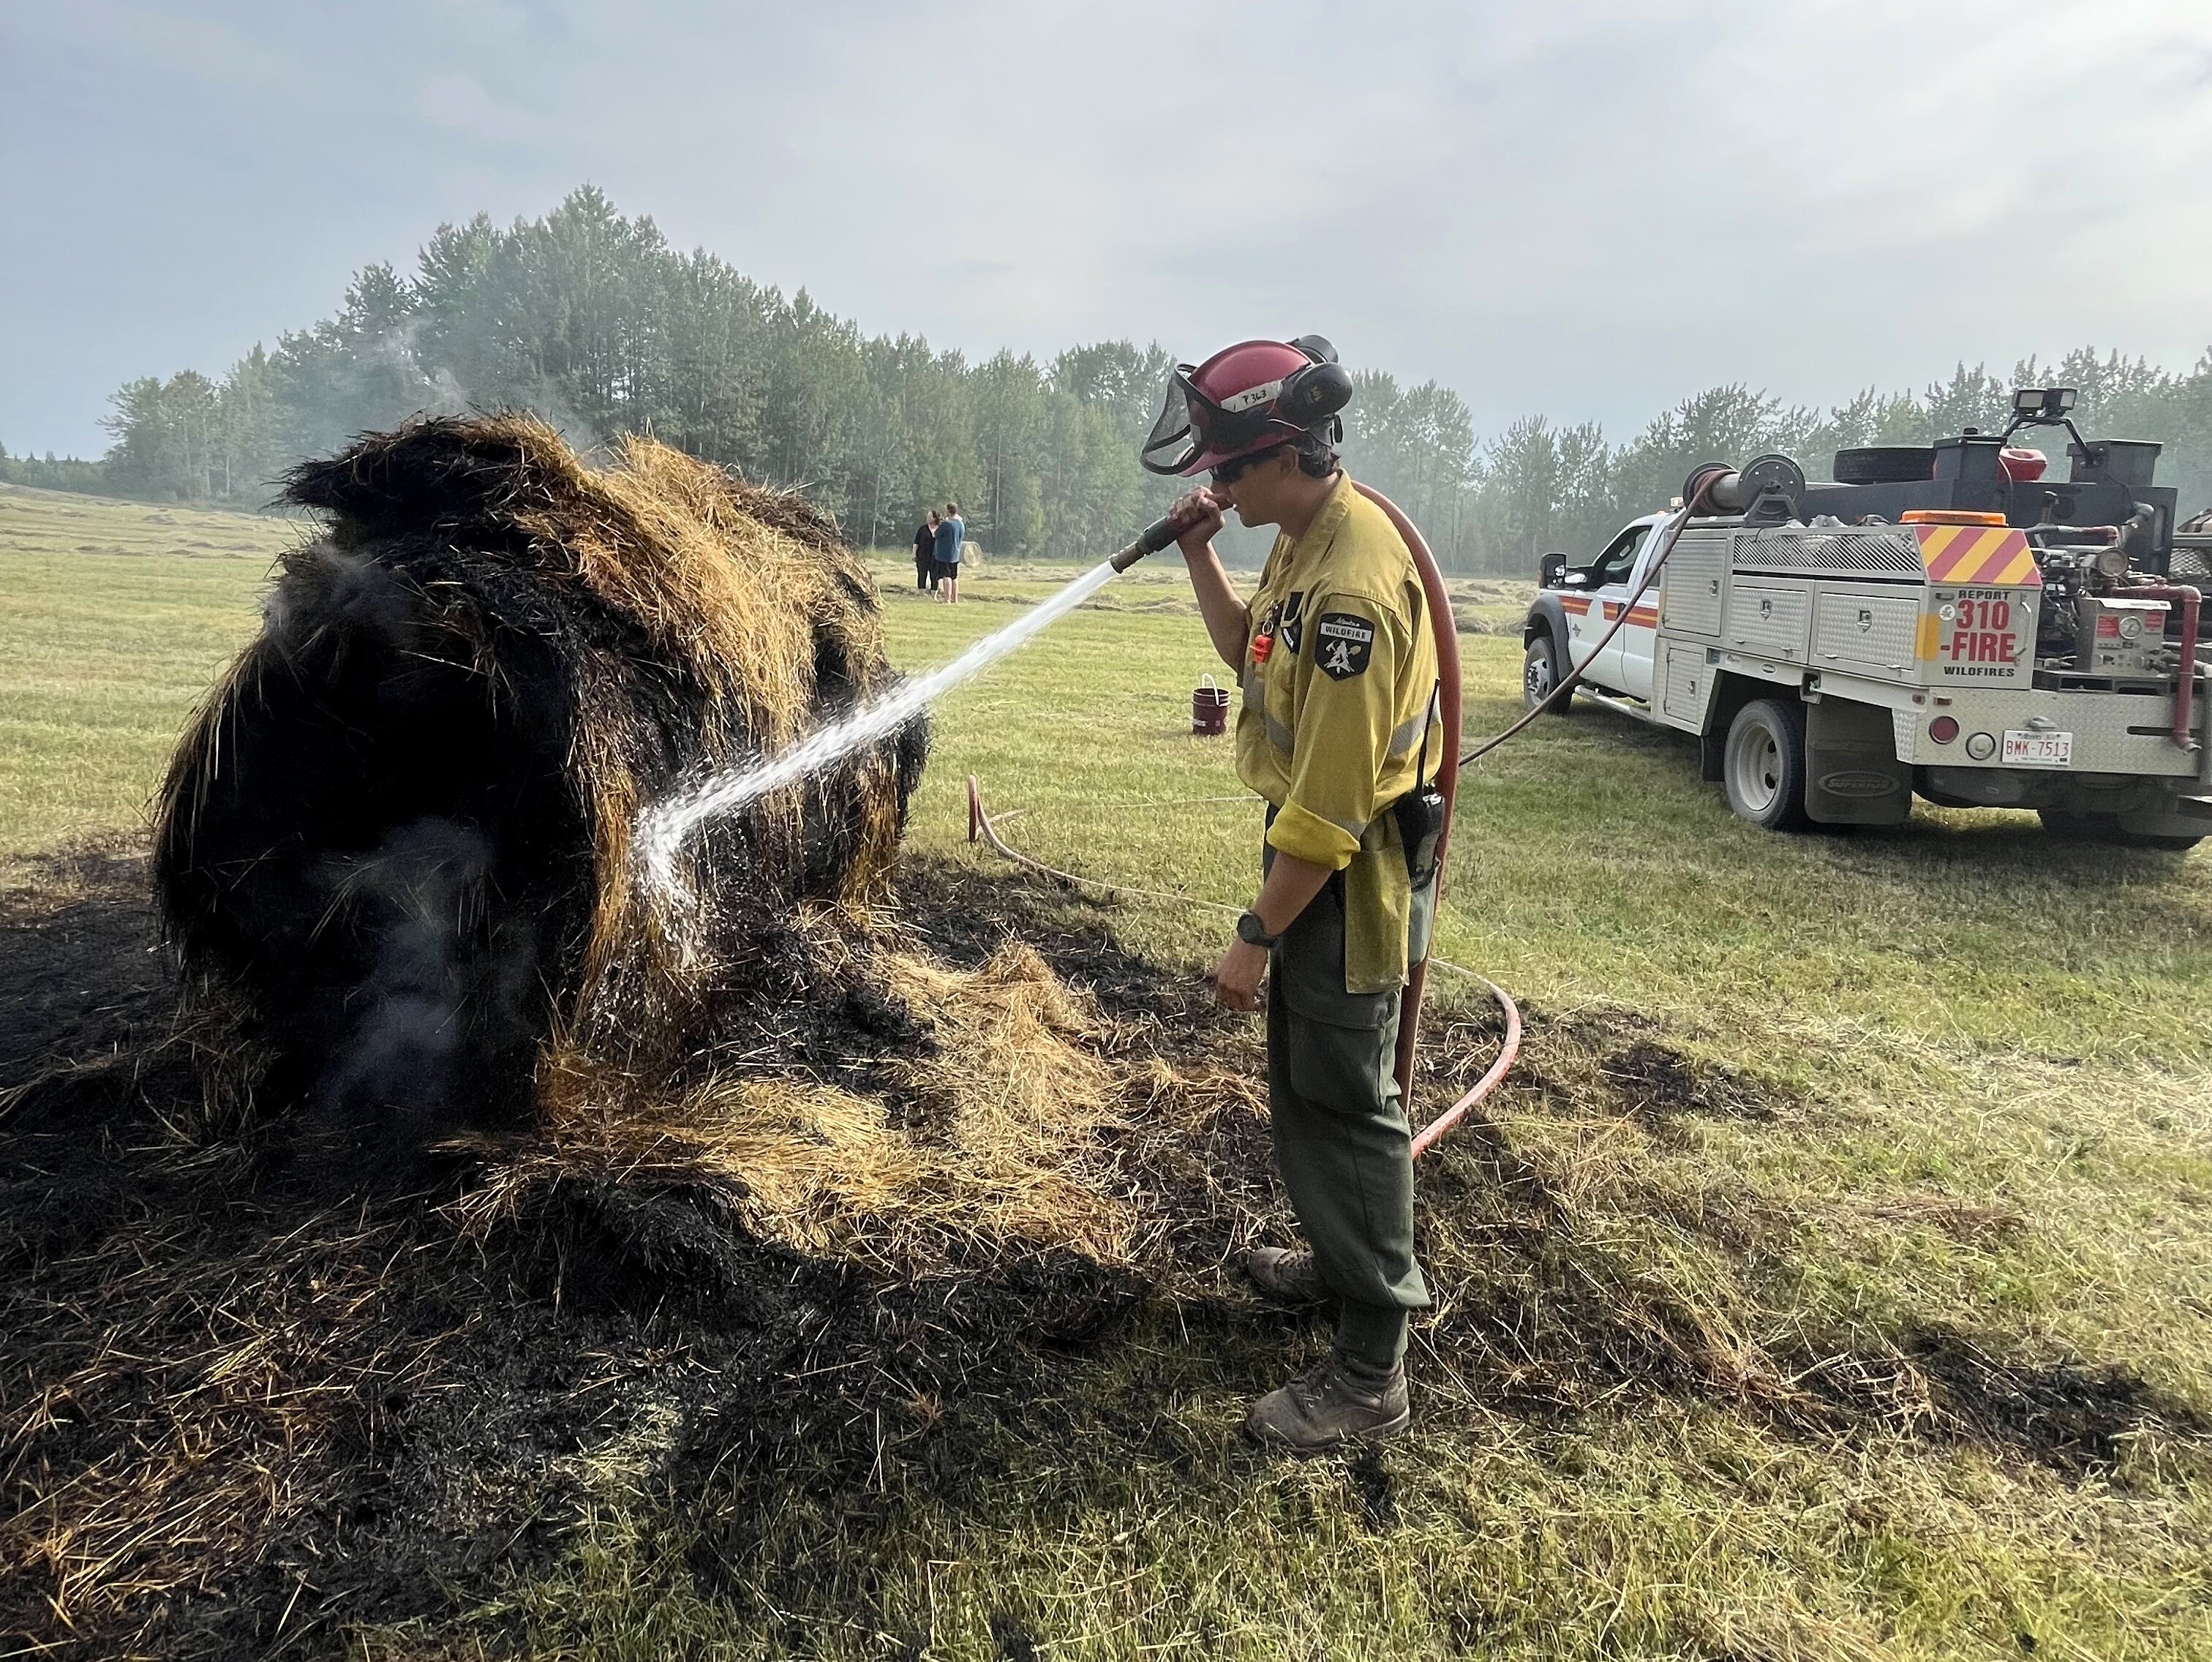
{"points": [[395, 847]]}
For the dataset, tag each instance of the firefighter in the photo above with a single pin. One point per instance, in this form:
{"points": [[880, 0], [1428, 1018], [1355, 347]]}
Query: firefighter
{"points": [[1339, 675]]}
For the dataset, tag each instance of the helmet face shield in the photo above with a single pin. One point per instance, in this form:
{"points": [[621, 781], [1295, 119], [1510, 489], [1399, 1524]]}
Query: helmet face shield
{"points": [[1192, 432], [1172, 444]]}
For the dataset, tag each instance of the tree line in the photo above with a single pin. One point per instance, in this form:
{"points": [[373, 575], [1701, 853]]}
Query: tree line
{"points": [[595, 321]]}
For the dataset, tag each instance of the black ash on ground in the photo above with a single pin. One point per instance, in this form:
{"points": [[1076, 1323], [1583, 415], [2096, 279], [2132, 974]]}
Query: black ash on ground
{"points": [[237, 1416]]}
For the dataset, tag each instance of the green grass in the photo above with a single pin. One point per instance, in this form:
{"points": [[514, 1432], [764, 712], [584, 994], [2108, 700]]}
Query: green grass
{"points": [[1954, 1021], [118, 615]]}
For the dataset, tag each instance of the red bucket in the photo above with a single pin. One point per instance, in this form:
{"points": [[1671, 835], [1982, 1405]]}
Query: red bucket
{"points": [[1209, 709]]}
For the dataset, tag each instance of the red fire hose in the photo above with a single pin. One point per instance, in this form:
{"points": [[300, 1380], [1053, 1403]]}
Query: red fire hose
{"points": [[1445, 628], [2191, 602]]}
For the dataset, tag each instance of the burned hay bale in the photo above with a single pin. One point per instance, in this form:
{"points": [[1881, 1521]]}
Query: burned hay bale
{"points": [[394, 849], [237, 1413]]}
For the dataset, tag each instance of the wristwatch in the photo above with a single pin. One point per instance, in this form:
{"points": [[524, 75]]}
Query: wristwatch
{"points": [[1253, 933]]}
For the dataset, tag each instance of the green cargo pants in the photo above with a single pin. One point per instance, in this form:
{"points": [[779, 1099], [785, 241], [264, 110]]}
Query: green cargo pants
{"points": [[1341, 1140]]}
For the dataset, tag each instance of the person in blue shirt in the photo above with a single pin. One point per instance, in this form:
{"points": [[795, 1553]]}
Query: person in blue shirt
{"points": [[952, 531]]}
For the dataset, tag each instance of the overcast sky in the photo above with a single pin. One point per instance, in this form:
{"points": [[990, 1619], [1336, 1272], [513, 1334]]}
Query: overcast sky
{"points": [[1585, 207]]}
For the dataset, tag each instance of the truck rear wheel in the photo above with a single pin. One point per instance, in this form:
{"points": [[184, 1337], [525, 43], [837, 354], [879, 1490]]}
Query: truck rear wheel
{"points": [[1762, 764], [2106, 828], [1542, 673]]}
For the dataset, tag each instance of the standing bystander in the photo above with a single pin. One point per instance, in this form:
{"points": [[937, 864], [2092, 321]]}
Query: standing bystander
{"points": [[951, 533], [924, 553]]}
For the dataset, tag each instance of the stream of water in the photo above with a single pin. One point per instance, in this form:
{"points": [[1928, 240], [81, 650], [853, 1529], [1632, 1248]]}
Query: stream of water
{"points": [[667, 824]]}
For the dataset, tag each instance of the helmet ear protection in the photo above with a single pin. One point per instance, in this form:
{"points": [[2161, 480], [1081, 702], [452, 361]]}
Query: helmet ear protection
{"points": [[1314, 394]]}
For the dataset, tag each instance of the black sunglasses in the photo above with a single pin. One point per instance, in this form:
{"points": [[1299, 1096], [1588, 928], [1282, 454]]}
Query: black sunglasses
{"points": [[1237, 466]]}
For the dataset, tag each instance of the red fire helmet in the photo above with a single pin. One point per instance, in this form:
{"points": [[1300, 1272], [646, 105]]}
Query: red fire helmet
{"points": [[1252, 396]]}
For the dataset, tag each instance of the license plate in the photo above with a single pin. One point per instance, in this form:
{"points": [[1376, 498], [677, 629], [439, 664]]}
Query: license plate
{"points": [[2050, 750]]}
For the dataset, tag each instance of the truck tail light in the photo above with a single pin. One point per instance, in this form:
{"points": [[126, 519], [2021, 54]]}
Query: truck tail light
{"points": [[1949, 516], [1943, 729]]}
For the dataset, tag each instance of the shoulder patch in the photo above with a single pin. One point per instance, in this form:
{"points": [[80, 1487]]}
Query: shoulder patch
{"points": [[1343, 644]]}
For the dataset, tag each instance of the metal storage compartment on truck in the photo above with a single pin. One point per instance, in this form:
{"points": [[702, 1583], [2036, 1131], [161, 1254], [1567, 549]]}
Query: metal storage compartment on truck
{"points": [[1768, 619], [1696, 571], [1856, 630]]}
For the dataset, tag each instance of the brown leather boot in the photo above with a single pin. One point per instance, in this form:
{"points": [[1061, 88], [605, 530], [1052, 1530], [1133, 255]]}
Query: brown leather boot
{"points": [[1339, 1401], [1288, 1275]]}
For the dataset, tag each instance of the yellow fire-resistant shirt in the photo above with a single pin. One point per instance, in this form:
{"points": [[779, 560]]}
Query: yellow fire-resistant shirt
{"points": [[1335, 722]]}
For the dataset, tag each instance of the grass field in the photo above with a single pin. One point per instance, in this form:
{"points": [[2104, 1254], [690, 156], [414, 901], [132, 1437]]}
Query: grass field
{"points": [[117, 616], [1913, 1128]]}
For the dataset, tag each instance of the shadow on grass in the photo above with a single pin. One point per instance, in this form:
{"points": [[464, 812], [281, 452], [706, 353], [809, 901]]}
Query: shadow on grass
{"points": [[1990, 845]]}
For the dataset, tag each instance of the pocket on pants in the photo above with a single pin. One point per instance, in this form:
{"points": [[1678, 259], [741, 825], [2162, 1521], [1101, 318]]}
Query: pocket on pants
{"points": [[1340, 1070]]}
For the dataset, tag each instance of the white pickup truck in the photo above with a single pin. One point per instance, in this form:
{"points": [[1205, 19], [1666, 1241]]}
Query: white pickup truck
{"points": [[1835, 668]]}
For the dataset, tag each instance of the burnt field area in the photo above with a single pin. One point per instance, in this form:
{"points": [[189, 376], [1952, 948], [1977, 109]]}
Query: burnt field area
{"points": [[840, 1269], [244, 1417]]}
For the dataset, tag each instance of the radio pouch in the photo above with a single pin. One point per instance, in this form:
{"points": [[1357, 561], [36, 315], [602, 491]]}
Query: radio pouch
{"points": [[1420, 814]]}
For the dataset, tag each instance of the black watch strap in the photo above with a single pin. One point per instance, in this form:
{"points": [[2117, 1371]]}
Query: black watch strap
{"points": [[1253, 933]]}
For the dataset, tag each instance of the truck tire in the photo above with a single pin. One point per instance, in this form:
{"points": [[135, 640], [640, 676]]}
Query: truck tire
{"points": [[1886, 464], [1762, 764], [1541, 672], [2106, 828]]}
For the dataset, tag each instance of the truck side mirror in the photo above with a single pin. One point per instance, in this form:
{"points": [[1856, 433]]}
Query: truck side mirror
{"points": [[1551, 570]]}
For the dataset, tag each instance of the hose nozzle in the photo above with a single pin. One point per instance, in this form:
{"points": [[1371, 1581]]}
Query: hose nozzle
{"points": [[1151, 540]]}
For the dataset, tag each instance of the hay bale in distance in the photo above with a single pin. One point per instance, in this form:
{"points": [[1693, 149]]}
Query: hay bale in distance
{"points": [[393, 848]]}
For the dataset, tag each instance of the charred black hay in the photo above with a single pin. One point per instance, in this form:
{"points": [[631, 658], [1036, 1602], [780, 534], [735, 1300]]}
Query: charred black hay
{"points": [[394, 848]]}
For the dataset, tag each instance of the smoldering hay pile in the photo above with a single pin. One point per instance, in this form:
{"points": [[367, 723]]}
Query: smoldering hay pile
{"points": [[395, 856], [498, 1182]]}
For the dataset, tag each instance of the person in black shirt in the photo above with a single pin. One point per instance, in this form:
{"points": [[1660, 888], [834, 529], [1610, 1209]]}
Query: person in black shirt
{"points": [[924, 553]]}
